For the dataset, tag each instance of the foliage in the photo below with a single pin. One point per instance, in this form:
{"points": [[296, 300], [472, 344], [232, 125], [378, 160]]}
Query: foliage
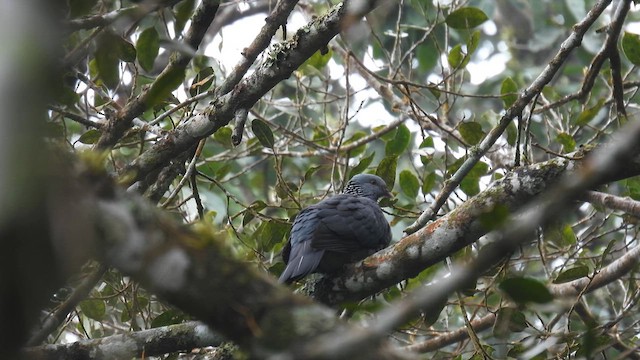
{"points": [[408, 97]]}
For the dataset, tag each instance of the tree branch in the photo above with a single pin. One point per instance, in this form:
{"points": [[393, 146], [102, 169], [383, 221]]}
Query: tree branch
{"points": [[448, 234], [152, 342], [282, 60], [193, 270], [115, 128], [628, 205], [549, 206], [56, 318], [135, 12], [573, 41]]}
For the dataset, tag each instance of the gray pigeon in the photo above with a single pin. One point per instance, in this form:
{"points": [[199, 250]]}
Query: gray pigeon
{"points": [[339, 230]]}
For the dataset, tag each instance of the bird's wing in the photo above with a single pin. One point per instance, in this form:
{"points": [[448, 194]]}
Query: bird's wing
{"points": [[349, 224], [303, 261], [298, 254]]}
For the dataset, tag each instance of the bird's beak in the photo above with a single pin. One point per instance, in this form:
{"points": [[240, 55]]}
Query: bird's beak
{"points": [[388, 194]]}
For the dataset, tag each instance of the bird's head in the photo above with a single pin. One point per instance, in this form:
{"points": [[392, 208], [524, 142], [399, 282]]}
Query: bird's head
{"points": [[367, 185]]}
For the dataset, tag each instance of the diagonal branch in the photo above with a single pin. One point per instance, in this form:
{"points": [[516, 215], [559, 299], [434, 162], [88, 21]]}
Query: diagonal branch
{"points": [[193, 270], [54, 320], [277, 18], [450, 233], [281, 61], [555, 202], [524, 98], [166, 82]]}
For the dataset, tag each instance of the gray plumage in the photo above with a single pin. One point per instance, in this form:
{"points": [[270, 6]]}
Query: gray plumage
{"points": [[339, 230]]}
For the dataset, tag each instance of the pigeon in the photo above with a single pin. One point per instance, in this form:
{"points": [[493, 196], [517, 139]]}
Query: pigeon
{"points": [[339, 230]]}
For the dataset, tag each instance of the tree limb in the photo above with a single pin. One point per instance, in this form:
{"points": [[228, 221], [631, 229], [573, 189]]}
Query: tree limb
{"points": [[573, 41], [195, 271], [115, 127], [282, 60], [151, 342]]}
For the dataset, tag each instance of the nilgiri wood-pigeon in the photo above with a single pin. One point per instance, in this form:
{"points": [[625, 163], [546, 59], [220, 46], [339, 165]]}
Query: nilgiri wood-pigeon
{"points": [[338, 230]]}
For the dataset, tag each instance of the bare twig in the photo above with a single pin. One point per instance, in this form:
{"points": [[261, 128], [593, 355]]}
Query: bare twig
{"points": [[190, 168]]}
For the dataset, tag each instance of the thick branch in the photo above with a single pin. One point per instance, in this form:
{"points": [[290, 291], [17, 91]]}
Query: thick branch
{"points": [[152, 342], [450, 233], [555, 202], [193, 270]]}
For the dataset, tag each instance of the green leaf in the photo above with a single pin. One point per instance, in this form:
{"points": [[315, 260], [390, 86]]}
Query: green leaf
{"points": [[93, 308], [568, 235], [409, 184], [263, 132], [427, 55], [471, 132], [588, 114], [202, 81], [80, 7], [606, 253], [126, 50], [387, 170], [457, 58], [632, 188], [249, 213], [310, 172], [466, 18], [567, 141], [509, 320], [495, 218], [355, 137], [428, 182], [362, 165], [573, 273], [165, 83], [471, 183], [631, 47], [561, 236], [148, 47], [107, 60], [592, 343], [426, 143], [512, 134], [183, 11], [169, 317], [318, 61], [223, 137], [509, 92], [472, 42], [399, 143], [271, 233], [90, 136], [525, 290]]}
